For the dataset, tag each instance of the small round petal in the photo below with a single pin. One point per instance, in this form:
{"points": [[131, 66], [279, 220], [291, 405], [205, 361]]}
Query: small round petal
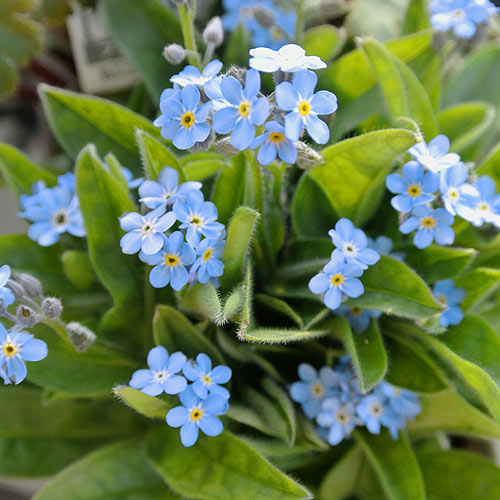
{"points": [[423, 238], [214, 405], [232, 91], [158, 358], [287, 96], [211, 426], [293, 125], [189, 434], [140, 379], [221, 374], [174, 385], [395, 183], [204, 362], [243, 134], [333, 297], [444, 235], [176, 362], [267, 154], [320, 283], [179, 277], [300, 392], [353, 288], [130, 242], [224, 120], [324, 102], [177, 417], [34, 350], [317, 129]]}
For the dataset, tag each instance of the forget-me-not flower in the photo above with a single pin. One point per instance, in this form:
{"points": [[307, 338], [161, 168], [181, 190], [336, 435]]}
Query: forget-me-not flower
{"points": [[191, 75], [413, 188], [401, 401], [336, 278], [358, 317], [384, 245], [458, 196], [304, 106], [487, 205], [15, 349], [459, 15], [6, 296], [208, 263], [313, 388], [162, 375], [339, 418], [276, 35], [290, 58], [145, 232], [198, 216], [374, 414], [274, 142], [429, 225], [170, 262], [434, 156], [206, 380], [183, 121], [243, 111], [53, 212], [166, 190], [196, 414], [352, 244], [450, 297]]}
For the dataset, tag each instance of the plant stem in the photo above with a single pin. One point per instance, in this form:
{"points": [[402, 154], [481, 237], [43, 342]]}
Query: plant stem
{"points": [[187, 16], [300, 24]]}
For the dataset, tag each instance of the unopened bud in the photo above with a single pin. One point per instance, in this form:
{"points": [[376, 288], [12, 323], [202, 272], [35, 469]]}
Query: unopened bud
{"points": [[52, 307], [307, 157], [264, 16], [16, 289], [31, 285], [239, 73], [205, 145], [213, 34], [174, 53], [26, 317], [225, 148], [81, 337]]}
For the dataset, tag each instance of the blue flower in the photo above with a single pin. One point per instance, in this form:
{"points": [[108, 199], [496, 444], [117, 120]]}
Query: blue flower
{"points": [[339, 418], [459, 15], [313, 388], [170, 262], [6, 296], [162, 374], [290, 58], [401, 401], [67, 180], [209, 264], [196, 414], [53, 211], [183, 121], [435, 156], [305, 106], [273, 37], [243, 110], [487, 205], [430, 225], [15, 349], [358, 317], [352, 244], [198, 216], [206, 379], [450, 297], [459, 197], [166, 190], [413, 188], [275, 143], [144, 232], [374, 413], [384, 245], [191, 75], [337, 278]]}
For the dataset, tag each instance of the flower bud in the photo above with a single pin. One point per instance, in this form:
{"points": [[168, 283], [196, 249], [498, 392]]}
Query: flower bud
{"points": [[264, 16], [26, 317], [239, 73], [213, 34], [205, 145], [81, 337], [225, 148], [174, 53], [307, 157], [31, 285], [16, 289], [52, 307]]}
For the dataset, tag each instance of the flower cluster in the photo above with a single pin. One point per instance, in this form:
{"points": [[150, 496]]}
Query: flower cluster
{"points": [[332, 397], [201, 402], [210, 103], [450, 297], [461, 16], [267, 24], [437, 178], [348, 261], [173, 252]]}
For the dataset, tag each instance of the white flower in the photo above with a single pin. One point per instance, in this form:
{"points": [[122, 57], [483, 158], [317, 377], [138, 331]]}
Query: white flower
{"points": [[290, 58]]}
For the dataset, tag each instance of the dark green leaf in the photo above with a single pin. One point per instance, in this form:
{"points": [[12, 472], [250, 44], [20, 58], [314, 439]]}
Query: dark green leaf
{"points": [[280, 335]]}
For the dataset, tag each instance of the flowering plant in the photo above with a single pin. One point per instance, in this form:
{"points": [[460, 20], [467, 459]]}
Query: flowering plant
{"points": [[223, 302]]}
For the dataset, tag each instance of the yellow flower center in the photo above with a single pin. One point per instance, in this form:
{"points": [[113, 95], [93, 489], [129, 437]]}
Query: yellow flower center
{"points": [[453, 194], [60, 218], [337, 279], [276, 33], [187, 119], [9, 350], [276, 137], [244, 108], [171, 260], [442, 299], [342, 417], [207, 254], [356, 310], [206, 379], [376, 409], [428, 222], [304, 108], [196, 414], [414, 190], [484, 207], [317, 389], [196, 220]]}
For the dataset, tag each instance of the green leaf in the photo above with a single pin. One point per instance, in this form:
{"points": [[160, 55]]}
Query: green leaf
{"points": [[453, 474], [238, 46], [141, 30], [280, 335], [203, 300], [175, 332], [439, 263], [19, 172], [78, 119], [78, 269], [479, 284], [448, 412], [417, 17], [200, 169], [120, 470], [404, 94], [392, 287], [367, 158], [324, 41], [225, 468], [155, 156], [491, 165], [239, 235], [366, 350], [394, 463], [142, 403], [279, 306]]}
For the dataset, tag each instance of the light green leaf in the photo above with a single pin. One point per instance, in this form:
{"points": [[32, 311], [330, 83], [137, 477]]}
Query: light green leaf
{"points": [[116, 169], [324, 41], [120, 470], [491, 165], [394, 463], [200, 169], [417, 17], [280, 335], [226, 469], [145, 405], [78, 269], [479, 284]]}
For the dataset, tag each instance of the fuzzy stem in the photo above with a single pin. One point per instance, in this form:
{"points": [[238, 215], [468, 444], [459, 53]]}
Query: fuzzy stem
{"points": [[187, 16]]}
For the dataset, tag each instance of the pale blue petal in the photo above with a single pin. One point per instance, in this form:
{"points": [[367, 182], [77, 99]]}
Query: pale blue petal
{"points": [[211, 426], [177, 417]]}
